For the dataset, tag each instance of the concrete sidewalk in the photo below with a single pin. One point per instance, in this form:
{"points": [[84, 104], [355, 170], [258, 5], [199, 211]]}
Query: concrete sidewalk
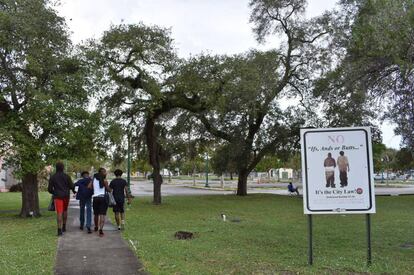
{"points": [[83, 253]]}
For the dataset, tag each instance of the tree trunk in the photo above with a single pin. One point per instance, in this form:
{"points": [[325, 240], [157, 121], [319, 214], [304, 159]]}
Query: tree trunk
{"points": [[231, 176], [154, 158], [157, 178], [30, 196], [194, 181], [242, 183]]}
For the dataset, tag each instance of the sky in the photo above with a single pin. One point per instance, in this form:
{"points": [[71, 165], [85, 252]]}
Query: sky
{"points": [[213, 26]]}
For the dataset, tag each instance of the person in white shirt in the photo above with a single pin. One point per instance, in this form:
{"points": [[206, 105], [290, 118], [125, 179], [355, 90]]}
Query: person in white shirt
{"points": [[100, 206]]}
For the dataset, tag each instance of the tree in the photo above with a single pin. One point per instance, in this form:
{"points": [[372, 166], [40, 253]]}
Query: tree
{"points": [[138, 68], [374, 45], [43, 103], [245, 112], [223, 160], [404, 160], [269, 162]]}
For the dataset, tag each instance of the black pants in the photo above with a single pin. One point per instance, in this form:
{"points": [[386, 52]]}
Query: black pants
{"points": [[343, 177]]}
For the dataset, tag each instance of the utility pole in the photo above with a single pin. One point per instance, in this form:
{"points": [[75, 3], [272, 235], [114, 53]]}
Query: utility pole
{"points": [[129, 164], [207, 171]]}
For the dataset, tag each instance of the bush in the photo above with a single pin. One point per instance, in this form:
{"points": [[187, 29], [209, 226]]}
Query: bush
{"points": [[16, 188]]}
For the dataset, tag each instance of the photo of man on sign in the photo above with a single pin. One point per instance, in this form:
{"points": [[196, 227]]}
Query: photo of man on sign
{"points": [[343, 166], [330, 165]]}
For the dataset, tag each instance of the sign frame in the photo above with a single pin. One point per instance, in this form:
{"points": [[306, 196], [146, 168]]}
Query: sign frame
{"points": [[307, 205]]}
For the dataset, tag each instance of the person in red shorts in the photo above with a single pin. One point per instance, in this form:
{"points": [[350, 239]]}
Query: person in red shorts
{"points": [[60, 185]]}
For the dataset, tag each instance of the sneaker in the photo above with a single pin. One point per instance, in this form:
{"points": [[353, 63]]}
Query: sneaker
{"points": [[89, 230], [59, 232], [119, 228], [101, 234], [64, 228]]}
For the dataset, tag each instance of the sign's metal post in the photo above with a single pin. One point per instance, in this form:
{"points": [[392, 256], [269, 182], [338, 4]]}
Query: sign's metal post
{"points": [[310, 240], [369, 256]]}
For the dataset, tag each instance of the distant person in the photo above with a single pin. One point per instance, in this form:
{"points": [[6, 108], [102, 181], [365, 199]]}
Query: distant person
{"points": [[84, 195], [330, 165], [293, 189], [59, 186], [100, 206], [120, 191], [343, 165]]}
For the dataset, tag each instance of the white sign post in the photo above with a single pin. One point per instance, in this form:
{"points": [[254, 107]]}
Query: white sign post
{"points": [[337, 173]]}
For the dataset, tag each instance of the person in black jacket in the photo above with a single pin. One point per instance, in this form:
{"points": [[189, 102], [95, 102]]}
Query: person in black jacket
{"points": [[84, 195], [60, 185]]}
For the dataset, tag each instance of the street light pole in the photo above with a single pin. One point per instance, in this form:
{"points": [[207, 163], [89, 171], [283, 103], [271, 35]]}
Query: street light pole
{"points": [[129, 164], [207, 171]]}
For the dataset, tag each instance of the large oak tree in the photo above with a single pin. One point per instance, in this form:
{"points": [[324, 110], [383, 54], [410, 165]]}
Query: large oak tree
{"points": [[43, 103]]}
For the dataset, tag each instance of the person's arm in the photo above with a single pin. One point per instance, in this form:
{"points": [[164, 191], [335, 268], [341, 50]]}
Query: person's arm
{"points": [[109, 189], [71, 185], [126, 191], [50, 186], [90, 184]]}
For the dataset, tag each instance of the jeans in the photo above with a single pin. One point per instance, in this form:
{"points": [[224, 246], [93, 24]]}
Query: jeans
{"points": [[82, 204]]}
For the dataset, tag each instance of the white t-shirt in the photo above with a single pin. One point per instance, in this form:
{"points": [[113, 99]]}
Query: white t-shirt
{"points": [[97, 191]]}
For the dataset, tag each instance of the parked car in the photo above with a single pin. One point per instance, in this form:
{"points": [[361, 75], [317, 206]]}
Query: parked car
{"points": [[385, 176], [378, 177]]}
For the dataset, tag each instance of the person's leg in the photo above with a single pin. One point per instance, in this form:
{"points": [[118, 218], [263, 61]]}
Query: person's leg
{"points": [[65, 213], [96, 221], [333, 180], [122, 218], [102, 214], [122, 213], [64, 219], [96, 213], [327, 178], [345, 178], [59, 220], [88, 214], [341, 178], [101, 224], [117, 219], [82, 213], [297, 191], [101, 221]]}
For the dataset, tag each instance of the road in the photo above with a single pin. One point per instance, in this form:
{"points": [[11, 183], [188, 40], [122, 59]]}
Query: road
{"points": [[182, 188]]}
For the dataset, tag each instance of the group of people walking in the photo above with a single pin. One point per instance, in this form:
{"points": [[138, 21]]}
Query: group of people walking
{"points": [[92, 194]]}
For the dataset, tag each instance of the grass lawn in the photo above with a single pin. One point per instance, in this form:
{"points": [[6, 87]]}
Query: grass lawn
{"points": [[271, 237], [27, 246]]}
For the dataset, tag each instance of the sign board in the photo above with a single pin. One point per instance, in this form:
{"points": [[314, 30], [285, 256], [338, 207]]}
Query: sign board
{"points": [[337, 171]]}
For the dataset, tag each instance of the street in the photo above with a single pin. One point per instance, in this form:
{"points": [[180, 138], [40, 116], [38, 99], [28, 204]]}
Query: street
{"points": [[185, 187]]}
